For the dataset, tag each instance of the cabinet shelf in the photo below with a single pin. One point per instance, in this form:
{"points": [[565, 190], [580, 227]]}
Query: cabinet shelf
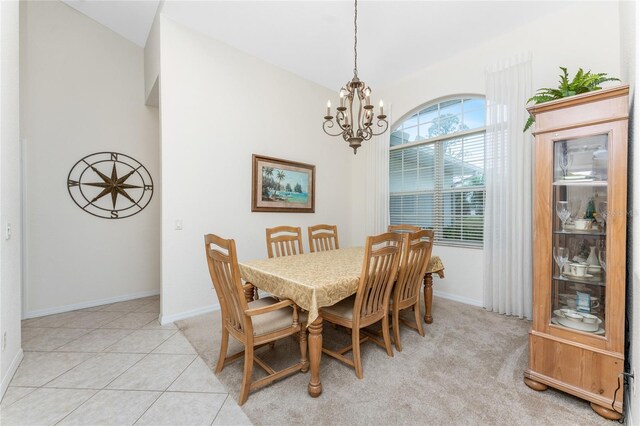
{"points": [[597, 280], [580, 183], [588, 232]]}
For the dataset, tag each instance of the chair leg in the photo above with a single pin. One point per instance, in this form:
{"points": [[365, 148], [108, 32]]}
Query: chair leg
{"points": [[385, 335], [248, 370], [303, 350], [223, 349], [357, 360], [418, 319], [396, 329]]}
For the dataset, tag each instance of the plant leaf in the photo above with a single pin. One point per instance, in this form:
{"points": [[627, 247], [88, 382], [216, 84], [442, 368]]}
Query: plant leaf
{"points": [[528, 124], [582, 82]]}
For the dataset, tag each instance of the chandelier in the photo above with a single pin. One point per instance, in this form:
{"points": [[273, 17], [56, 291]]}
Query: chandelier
{"points": [[354, 116]]}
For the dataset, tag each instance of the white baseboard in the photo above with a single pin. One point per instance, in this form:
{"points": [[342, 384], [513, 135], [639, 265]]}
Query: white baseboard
{"points": [[12, 370], [89, 304], [167, 319], [456, 298]]}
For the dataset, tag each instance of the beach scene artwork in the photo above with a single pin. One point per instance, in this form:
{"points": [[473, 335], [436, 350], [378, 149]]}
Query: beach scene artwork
{"points": [[285, 185], [282, 185]]}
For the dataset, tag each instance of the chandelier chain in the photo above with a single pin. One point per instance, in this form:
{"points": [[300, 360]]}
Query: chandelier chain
{"points": [[355, 39]]}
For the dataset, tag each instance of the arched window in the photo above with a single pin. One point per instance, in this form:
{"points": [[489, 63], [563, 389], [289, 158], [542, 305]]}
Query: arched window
{"points": [[436, 170]]}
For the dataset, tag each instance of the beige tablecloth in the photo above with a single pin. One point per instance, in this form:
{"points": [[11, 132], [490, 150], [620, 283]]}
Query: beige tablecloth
{"points": [[435, 265], [312, 280]]}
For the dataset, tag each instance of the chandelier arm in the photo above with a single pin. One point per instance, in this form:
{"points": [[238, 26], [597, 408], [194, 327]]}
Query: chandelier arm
{"points": [[342, 115], [339, 115], [366, 134], [325, 127], [385, 125]]}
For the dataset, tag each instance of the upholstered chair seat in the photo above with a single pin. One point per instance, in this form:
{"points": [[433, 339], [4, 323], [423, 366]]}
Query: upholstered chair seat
{"points": [[273, 321], [342, 309]]}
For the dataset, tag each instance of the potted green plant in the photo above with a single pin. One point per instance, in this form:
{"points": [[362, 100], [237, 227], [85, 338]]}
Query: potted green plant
{"points": [[582, 82]]}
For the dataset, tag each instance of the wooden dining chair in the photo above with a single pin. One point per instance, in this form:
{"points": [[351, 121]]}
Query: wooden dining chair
{"points": [[370, 304], [284, 241], [403, 228], [406, 291], [323, 238], [255, 323]]}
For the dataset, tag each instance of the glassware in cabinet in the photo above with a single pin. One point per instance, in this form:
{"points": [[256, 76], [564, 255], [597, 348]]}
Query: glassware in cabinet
{"points": [[579, 242]]}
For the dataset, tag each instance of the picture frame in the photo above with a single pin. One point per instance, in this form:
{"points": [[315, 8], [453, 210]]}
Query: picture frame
{"points": [[279, 185]]}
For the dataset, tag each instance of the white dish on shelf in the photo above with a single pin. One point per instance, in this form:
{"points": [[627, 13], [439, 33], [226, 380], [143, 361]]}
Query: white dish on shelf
{"points": [[556, 320], [572, 177], [568, 274], [593, 269], [589, 319], [567, 307], [574, 319]]}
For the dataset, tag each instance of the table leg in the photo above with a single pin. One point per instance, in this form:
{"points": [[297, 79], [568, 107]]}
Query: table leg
{"points": [[428, 297], [249, 290], [315, 352], [304, 357]]}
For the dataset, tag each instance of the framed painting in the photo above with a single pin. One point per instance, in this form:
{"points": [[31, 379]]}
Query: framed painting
{"points": [[282, 186]]}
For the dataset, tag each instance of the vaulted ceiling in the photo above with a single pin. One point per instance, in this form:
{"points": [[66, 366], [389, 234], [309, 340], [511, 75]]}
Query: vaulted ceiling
{"points": [[131, 19], [314, 39]]}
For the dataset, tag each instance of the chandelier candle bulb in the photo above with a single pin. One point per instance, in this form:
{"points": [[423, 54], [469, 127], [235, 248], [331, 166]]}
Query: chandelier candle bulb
{"points": [[342, 98], [328, 108], [381, 108]]}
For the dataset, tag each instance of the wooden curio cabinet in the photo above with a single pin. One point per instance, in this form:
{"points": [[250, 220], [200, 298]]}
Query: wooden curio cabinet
{"points": [[576, 343]]}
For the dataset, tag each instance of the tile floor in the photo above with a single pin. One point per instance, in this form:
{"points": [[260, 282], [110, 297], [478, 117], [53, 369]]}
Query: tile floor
{"points": [[113, 365]]}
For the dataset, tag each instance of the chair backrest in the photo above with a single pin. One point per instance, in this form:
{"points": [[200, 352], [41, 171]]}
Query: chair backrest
{"points": [[225, 275], [323, 238], [403, 228], [379, 267], [284, 241], [415, 260]]}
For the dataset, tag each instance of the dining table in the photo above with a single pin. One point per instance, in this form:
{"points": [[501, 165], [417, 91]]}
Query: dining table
{"points": [[316, 280]]}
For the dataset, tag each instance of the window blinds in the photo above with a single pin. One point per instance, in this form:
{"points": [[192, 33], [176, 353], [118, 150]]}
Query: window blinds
{"points": [[439, 185]]}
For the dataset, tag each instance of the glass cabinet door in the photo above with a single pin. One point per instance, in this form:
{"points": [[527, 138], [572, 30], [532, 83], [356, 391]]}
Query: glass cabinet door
{"points": [[578, 284]]}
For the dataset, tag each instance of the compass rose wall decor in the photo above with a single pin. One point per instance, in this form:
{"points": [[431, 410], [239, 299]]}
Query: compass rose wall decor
{"points": [[110, 185]]}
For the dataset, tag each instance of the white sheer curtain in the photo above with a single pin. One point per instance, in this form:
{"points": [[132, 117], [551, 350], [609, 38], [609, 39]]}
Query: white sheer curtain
{"points": [[377, 177], [508, 164]]}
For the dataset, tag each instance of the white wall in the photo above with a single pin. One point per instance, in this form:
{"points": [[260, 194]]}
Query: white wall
{"points": [[630, 72], [152, 63], [83, 92], [10, 193], [219, 106], [553, 41]]}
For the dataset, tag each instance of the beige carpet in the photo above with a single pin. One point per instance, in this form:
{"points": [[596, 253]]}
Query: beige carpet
{"points": [[467, 370]]}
